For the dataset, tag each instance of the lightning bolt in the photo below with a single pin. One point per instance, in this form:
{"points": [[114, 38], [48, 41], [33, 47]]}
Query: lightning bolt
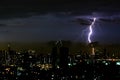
{"points": [[91, 30]]}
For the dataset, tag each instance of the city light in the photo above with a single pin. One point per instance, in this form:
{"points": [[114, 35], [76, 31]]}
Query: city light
{"points": [[117, 63]]}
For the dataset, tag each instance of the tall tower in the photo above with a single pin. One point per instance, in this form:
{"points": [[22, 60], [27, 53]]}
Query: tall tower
{"points": [[9, 47], [64, 51], [55, 54], [92, 48], [7, 55]]}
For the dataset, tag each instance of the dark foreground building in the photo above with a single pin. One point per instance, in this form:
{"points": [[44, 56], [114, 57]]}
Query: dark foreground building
{"points": [[64, 51]]}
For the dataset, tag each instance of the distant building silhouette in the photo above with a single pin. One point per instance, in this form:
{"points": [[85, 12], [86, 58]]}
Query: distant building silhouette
{"points": [[54, 56], [59, 55], [64, 51], [105, 53]]}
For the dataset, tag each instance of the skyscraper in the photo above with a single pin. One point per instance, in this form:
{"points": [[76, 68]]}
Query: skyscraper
{"points": [[64, 51], [54, 56]]}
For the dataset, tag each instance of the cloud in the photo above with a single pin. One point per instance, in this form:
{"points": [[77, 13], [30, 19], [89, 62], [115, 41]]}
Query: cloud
{"points": [[28, 8], [83, 21], [105, 17], [3, 25], [109, 20]]}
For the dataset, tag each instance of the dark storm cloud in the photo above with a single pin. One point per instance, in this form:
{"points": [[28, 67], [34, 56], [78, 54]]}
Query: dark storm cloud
{"points": [[43, 21], [3, 25], [28, 8], [109, 20], [101, 17], [83, 21], [4, 31]]}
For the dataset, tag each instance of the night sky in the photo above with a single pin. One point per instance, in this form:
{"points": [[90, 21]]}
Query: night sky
{"points": [[39, 21]]}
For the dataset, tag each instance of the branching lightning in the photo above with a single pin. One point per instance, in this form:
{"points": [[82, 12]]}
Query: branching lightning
{"points": [[91, 30]]}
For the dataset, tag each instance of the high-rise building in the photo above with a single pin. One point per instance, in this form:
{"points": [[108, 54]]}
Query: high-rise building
{"points": [[64, 51], [54, 56], [93, 48], [60, 55]]}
